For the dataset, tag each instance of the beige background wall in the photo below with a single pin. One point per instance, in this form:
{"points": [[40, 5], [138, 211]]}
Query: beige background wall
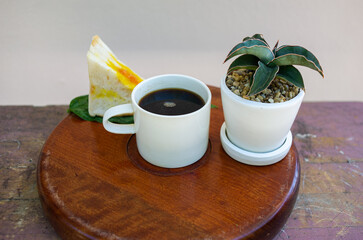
{"points": [[43, 44]]}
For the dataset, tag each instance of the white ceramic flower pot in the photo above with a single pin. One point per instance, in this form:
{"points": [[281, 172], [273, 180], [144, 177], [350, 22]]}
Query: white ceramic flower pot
{"points": [[257, 127]]}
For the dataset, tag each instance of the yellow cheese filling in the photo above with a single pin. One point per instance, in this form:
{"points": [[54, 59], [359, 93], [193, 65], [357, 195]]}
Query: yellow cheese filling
{"points": [[98, 92], [124, 74]]}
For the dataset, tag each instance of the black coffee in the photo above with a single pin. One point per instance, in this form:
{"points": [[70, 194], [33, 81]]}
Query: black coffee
{"points": [[171, 101]]}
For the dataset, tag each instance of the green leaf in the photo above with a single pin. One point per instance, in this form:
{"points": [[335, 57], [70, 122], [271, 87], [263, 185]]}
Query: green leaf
{"points": [[296, 55], [247, 61], [292, 75], [262, 78], [247, 43], [275, 47], [213, 106], [254, 47], [256, 36], [79, 106], [260, 37]]}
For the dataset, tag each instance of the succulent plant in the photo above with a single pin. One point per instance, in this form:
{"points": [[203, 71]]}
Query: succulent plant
{"points": [[255, 54]]}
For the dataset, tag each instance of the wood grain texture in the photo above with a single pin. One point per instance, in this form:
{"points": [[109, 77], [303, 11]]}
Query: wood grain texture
{"points": [[91, 189], [23, 132], [328, 136]]}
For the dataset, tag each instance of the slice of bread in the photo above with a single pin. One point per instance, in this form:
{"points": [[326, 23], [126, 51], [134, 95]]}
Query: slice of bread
{"points": [[111, 81]]}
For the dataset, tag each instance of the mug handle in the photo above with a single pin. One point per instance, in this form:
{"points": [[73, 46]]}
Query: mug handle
{"points": [[118, 128]]}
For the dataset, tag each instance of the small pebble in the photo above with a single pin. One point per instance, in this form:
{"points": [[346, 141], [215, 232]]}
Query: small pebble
{"points": [[229, 82]]}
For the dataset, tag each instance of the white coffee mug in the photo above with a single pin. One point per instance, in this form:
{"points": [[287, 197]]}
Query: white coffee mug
{"points": [[169, 141]]}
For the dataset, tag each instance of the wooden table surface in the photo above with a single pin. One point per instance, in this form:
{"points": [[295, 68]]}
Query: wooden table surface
{"points": [[328, 137]]}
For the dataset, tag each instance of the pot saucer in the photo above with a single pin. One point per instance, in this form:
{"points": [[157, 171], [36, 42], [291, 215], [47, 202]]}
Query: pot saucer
{"points": [[254, 158]]}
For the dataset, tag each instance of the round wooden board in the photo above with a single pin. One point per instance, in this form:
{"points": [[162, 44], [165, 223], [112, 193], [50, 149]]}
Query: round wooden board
{"points": [[94, 185]]}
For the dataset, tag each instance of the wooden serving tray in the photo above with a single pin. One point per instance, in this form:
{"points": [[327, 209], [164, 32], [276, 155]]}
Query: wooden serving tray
{"points": [[94, 184]]}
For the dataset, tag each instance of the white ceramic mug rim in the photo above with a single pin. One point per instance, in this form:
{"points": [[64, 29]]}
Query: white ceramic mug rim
{"points": [[241, 100], [206, 104]]}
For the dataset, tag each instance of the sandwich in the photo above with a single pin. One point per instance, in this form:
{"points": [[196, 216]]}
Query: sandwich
{"points": [[111, 81]]}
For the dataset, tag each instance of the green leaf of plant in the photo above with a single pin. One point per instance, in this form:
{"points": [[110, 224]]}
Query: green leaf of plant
{"points": [[246, 38], [262, 78], [260, 36], [292, 75], [256, 36], [296, 55], [247, 61], [247, 43], [275, 48], [254, 47], [79, 106], [213, 106]]}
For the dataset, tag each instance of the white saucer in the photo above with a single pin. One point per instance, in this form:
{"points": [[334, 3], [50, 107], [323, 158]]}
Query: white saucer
{"points": [[254, 158]]}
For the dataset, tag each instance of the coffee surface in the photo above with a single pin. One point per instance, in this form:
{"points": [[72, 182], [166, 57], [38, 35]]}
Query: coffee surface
{"points": [[171, 101]]}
